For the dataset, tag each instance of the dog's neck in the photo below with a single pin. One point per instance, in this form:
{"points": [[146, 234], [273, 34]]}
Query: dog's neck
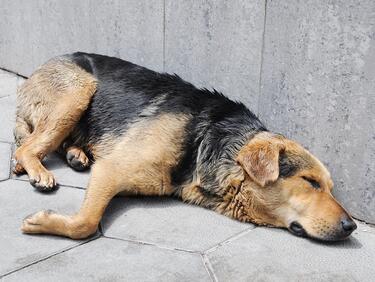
{"points": [[218, 140]]}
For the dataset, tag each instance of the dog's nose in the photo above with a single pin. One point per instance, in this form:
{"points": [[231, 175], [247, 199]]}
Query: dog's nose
{"points": [[348, 225]]}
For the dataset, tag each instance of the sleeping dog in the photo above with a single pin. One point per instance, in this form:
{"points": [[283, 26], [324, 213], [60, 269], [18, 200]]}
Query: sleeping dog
{"points": [[150, 133]]}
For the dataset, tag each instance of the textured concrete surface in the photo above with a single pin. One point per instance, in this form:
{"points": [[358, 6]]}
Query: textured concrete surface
{"points": [[318, 84], [272, 255], [8, 88], [113, 260], [48, 28], [5, 154], [168, 223], [19, 199], [216, 44], [158, 239]]}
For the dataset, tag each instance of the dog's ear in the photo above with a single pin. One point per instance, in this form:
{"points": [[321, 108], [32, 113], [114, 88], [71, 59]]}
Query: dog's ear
{"points": [[260, 158]]}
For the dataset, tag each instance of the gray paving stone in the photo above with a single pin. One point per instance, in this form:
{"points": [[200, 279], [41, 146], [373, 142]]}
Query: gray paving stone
{"points": [[8, 89], [64, 174], [168, 222], [113, 260], [216, 44], [8, 84], [20, 81], [265, 254], [5, 155], [18, 199]]}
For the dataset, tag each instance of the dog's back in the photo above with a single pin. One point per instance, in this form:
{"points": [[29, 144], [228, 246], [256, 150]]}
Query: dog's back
{"points": [[131, 96], [127, 93]]}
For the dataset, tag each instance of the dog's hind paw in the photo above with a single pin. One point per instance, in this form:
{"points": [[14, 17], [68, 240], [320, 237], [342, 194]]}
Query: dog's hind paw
{"points": [[77, 159]]}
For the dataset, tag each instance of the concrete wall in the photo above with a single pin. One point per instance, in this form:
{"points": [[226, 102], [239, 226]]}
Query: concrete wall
{"points": [[306, 67], [318, 86]]}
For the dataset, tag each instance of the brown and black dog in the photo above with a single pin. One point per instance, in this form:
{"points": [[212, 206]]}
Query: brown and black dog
{"points": [[149, 133]]}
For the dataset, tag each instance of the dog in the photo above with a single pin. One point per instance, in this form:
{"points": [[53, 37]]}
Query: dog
{"points": [[154, 134]]}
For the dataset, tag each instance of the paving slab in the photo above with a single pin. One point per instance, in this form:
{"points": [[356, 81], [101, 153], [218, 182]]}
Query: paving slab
{"points": [[8, 89], [64, 174], [265, 254], [18, 199], [8, 83], [168, 222], [113, 260], [5, 155]]}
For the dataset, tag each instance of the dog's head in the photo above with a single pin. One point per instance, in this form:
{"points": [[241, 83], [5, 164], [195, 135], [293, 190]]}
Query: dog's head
{"points": [[286, 186]]}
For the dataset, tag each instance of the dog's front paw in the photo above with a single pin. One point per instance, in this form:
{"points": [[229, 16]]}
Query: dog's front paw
{"points": [[37, 222], [43, 180]]}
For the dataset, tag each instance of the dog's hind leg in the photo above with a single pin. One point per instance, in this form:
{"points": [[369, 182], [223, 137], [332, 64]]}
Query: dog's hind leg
{"points": [[21, 132], [104, 185], [71, 88]]}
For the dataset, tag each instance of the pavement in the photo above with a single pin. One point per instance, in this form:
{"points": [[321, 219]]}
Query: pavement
{"points": [[155, 239]]}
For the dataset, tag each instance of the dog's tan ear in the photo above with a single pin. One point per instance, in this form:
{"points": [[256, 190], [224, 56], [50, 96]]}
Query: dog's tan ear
{"points": [[260, 158]]}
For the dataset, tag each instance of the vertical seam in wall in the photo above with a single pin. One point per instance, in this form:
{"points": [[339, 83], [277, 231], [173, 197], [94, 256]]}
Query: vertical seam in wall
{"points": [[164, 35], [261, 57]]}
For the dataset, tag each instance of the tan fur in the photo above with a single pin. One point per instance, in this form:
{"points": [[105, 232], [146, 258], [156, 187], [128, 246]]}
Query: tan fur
{"points": [[260, 158], [50, 103], [37, 96], [148, 152], [140, 163]]}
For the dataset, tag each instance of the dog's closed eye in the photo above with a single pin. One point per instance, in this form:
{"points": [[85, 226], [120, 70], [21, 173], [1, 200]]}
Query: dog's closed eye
{"points": [[313, 183]]}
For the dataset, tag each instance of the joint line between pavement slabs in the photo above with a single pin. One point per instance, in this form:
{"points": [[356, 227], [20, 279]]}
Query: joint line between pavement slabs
{"points": [[153, 245], [208, 266], [230, 239]]}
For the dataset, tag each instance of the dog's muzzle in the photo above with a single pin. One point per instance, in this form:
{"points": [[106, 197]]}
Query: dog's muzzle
{"points": [[343, 230]]}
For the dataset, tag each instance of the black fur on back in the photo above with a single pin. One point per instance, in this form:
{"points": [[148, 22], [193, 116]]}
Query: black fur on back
{"points": [[218, 128]]}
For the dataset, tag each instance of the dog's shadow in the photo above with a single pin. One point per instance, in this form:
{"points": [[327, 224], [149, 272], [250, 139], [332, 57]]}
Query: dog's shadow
{"points": [[349, 243], [120, 206], [55, 161]]}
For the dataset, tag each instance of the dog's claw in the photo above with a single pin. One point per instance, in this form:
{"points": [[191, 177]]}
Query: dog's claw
{"points": [[17, 168]]}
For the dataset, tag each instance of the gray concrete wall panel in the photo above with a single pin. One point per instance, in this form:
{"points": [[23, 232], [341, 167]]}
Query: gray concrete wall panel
{"points": [[318, 86], [216, 44], [34, 31]]}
